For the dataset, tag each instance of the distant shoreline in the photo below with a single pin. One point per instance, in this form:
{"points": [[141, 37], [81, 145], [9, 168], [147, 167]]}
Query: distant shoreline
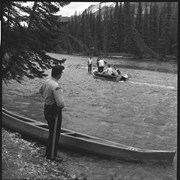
{"points": [[126, 61]]}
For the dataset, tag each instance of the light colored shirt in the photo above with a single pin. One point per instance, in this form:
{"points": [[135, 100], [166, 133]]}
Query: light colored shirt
{"points": [[52, 92], [109, 70], [89, 61], [101, 63]]}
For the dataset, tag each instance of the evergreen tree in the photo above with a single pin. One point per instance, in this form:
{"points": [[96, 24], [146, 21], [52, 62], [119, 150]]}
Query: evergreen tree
{"points": [[87, 33], [168, 27], [145, 34], [165, 29], [127, 27], [82, 46], [78, 31], [83, 21], [151, 31], [133, 40], [25, 46], [95, 39], [72, 28], [105, 32], [173, 34], [93, 31], [91, 26], [139, 20], [110, 25], [153, 28], [72, 25], [115, 30], [121, 28], [76, 21], [99, 30]]}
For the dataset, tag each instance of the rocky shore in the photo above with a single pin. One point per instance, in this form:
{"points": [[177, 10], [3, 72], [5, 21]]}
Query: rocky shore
{"points": [[23, 159]]}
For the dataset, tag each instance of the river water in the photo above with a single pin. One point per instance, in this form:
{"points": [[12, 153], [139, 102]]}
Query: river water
{"points": [[141, 113]]}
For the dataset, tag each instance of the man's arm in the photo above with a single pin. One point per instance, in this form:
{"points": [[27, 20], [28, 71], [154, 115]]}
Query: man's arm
{"points": [[41, 90], [58, 95]]}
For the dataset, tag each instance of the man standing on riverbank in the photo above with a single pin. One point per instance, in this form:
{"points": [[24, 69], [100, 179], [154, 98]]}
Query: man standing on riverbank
{"points": [[52, 94], [90, 64]]}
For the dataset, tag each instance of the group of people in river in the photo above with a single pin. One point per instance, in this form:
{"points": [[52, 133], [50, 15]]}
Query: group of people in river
{"points": [[108, 69]]}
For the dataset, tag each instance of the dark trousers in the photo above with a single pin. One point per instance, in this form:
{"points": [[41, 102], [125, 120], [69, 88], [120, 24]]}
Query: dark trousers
{"points": [[89, 68], [53, 115], [101, 69], [98, 67]]}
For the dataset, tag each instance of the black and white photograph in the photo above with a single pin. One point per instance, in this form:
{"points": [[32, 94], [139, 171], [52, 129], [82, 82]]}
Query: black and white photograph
{"points": [[89, 90]]}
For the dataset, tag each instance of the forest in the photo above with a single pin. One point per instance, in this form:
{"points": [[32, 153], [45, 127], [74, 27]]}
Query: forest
{"points": [[143, 29], [28, 32]]}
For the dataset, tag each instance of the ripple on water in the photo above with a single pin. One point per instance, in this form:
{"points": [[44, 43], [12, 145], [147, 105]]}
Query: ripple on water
{"points": [[25, 103]]}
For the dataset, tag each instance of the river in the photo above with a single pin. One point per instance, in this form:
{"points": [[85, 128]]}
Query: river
{"points": [[141, 112]]}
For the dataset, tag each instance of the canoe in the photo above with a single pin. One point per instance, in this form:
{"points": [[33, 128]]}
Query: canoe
{"points": [[78, 141], [105, 76]]}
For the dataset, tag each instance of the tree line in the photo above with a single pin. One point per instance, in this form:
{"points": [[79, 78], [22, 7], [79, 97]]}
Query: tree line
{"points": [[148, 29], [28, 32]]}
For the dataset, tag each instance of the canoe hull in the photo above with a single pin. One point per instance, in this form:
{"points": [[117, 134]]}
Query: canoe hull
{"points": [[82, 142]]}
